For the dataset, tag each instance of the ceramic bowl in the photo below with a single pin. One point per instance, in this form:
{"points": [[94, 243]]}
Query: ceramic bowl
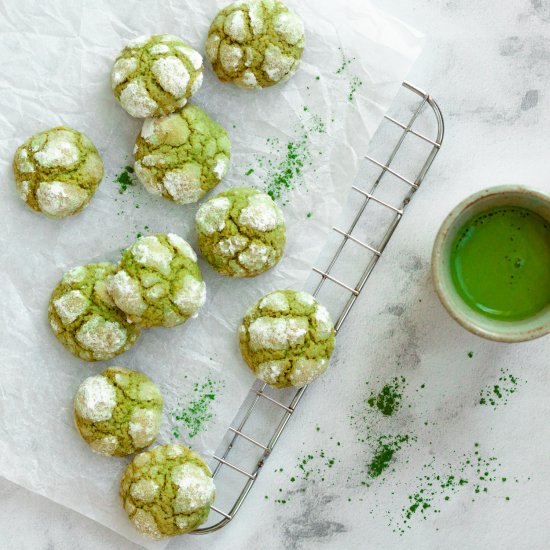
{"points": [[501, 331]]}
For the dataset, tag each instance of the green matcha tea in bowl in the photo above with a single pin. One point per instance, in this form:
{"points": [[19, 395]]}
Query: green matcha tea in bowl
{"points": [[491, 263]]}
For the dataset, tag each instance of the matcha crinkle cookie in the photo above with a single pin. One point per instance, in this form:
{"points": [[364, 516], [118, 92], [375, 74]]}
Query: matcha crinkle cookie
{"points": [[241, 232], [85, 319], [287, 338], [158, 282], [57, 171], [182, 156], [255, 43], [167, 491], [118, 412], [155, 75]]}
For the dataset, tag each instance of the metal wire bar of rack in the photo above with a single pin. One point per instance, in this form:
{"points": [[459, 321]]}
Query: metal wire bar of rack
{"points": [[368, 196]]}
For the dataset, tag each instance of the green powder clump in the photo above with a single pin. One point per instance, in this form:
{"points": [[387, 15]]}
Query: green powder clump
{"points": [[125, 179], [383, 455], [388, 400]]}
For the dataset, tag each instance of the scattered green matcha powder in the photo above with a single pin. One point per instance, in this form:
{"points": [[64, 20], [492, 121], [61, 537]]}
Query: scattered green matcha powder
{"points": [[498, 394], [282, 169], [193, 417]]}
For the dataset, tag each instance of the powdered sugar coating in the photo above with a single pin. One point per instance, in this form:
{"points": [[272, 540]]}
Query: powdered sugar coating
{"points": [[106, 446], [155, 75], [136, 101], [171, 75], [211, 215], [60, 150], [70, 306], [230, 246], [270, 371], [122, 69], [257, 257], [159, 48], [289, 26], [275, 301], [103, 338], [59, 199], [183, 246], [95, 399], [235, 26], [275, 333], [126, 293], [184, 184], [144, 490], [144, 427], [305, 370], [191, 296], [276, 64], [261, 213], [195, 488], [323, 322], [150, 252]]}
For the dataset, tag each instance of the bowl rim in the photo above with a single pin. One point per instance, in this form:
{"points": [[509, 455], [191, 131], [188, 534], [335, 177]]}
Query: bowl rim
{"points": [[519, 335]]}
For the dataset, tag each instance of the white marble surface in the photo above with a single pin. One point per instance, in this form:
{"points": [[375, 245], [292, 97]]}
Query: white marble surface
{"points": [[488, 65]]}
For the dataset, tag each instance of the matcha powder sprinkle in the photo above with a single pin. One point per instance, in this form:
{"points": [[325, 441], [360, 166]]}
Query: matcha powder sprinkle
{"points": [[192, 418], [125, 179]]}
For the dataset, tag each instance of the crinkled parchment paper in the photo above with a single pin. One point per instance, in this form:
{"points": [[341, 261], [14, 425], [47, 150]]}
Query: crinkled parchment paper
{"points": [[56, 58]]}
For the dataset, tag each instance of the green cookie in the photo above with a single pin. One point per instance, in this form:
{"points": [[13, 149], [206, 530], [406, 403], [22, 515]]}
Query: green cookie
{"points": [[241, 232], [158, 282], [155, 75], [287, 338], [167, 491], [183, 155], [255, 43], [57, 171], [118, 412], [85, 319]]}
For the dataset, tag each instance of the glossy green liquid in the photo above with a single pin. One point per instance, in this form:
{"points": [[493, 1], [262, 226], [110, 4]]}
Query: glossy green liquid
{"points": [[500, 263]]}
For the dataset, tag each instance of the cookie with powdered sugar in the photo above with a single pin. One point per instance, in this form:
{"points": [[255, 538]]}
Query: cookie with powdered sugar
{"points": [[57, 171], [167, 491], [241, 232], [85, 319], [287, 338], [182, 156], [158, 282], [118, 412], [155, 75], [255, 43]]}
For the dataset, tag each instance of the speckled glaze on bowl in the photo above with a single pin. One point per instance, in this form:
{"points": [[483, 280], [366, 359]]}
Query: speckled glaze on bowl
{"points": [[500, 331]]}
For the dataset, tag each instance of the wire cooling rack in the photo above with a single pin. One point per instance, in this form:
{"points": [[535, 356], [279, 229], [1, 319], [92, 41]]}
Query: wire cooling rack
{"points": [[266, 412]]}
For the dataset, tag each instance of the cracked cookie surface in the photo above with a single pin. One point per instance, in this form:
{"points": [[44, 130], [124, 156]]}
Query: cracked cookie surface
{"points": [[158, 282], [241, 232], [155, 75], [182, 156], [167, 491], [85, 319], [118, 412], [57, 171], [255, 43], [287, 338]]}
